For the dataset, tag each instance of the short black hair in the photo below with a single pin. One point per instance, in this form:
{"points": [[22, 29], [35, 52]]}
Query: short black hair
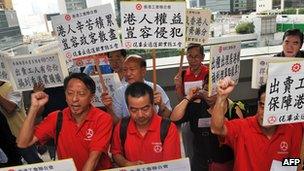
{"points": [[194, 45], [123, 52], [294, 32], [261, 91], [87, 80], [139, 89]]}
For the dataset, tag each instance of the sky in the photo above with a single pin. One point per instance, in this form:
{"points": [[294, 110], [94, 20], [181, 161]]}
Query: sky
{"points": [[30, 13]]}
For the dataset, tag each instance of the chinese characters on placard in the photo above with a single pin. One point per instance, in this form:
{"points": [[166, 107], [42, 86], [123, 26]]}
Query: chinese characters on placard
{"points": [[153, 24], [224, 61], [3, 70], [112, 82], [285, 93], [29, 70], [198, 24], [87, 32]]}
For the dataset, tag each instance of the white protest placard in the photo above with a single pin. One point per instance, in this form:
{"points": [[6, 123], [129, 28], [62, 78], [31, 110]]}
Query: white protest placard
{"points": [[198, 25], [87, 32], [157, 25], [29, 69], [224, 61], [112, 82], [172, 165], [62, 165], [260, 67], [284, 101], [4, 71]]}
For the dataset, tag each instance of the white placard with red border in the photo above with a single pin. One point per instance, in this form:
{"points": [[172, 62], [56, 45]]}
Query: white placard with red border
{"points": [[284, 93], [26, 70], [87, 32], [260, 67], [157, 25], [62, 165], [176, 165], [224, 61], [198, 25]]}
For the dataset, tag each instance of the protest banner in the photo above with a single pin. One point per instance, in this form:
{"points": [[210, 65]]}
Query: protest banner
{"points": [[4, 72], [224, 61], [260, 67], [198, 25], [62, 165], [87, 32], [284, 93], [157, 25], [26, 70], [112, 82], [176, 165]]}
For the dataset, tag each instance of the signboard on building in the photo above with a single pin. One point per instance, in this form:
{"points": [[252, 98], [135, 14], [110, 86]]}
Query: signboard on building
{"points": [[198, 25], [87, 32], [263, 5], [284, 93], [224, 61], [30, 69], [157, 25]]}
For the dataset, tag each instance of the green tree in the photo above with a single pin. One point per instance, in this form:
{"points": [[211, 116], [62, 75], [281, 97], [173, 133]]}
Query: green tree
{"points": [[244, 28]]}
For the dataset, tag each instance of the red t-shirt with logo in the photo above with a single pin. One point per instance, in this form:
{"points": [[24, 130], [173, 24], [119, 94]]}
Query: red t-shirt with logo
{"points": [[77, 142], [147, 148], [254, 151]]}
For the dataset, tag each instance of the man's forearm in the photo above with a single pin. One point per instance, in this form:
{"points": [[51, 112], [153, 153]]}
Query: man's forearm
{"points": [[120, 160], [26, 135], [92, 161], [179, 110], [218, 117]]}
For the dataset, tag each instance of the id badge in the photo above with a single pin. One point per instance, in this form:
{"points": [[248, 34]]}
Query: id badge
{"points": [[204, 122]]}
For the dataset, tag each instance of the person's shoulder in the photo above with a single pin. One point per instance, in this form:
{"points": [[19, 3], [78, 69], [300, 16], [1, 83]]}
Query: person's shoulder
{"points": [[100, 114]]}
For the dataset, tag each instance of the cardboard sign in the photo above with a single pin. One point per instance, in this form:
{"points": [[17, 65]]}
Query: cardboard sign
{"points": [[30, 69], [224, 61], [157, 25], [284, 93], [4, 72], [260, 68], [87, 32], [62, 165], [198, 25], [112, 82], [176, 165]]}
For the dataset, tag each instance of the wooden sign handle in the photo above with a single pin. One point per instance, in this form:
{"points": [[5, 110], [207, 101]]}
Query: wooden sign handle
{"points": [[154, 69], [101, 80]]}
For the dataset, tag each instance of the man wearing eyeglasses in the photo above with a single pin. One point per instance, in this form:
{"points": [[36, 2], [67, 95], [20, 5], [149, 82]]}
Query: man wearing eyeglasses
{"points": [[255, 146]]}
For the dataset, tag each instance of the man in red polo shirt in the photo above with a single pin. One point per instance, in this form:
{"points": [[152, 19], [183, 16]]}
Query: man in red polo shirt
{"points": [[255, 146], [143, 143], [195, 74], [85, 132]]}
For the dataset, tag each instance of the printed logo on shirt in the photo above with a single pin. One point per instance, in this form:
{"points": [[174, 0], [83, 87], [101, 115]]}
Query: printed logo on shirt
{"points": [[89, 134], [283, 147], [157, 147]]}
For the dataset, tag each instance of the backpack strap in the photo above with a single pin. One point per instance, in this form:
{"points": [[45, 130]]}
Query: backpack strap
{"points": [[123, 131], [164, 127], [58, 129]]}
